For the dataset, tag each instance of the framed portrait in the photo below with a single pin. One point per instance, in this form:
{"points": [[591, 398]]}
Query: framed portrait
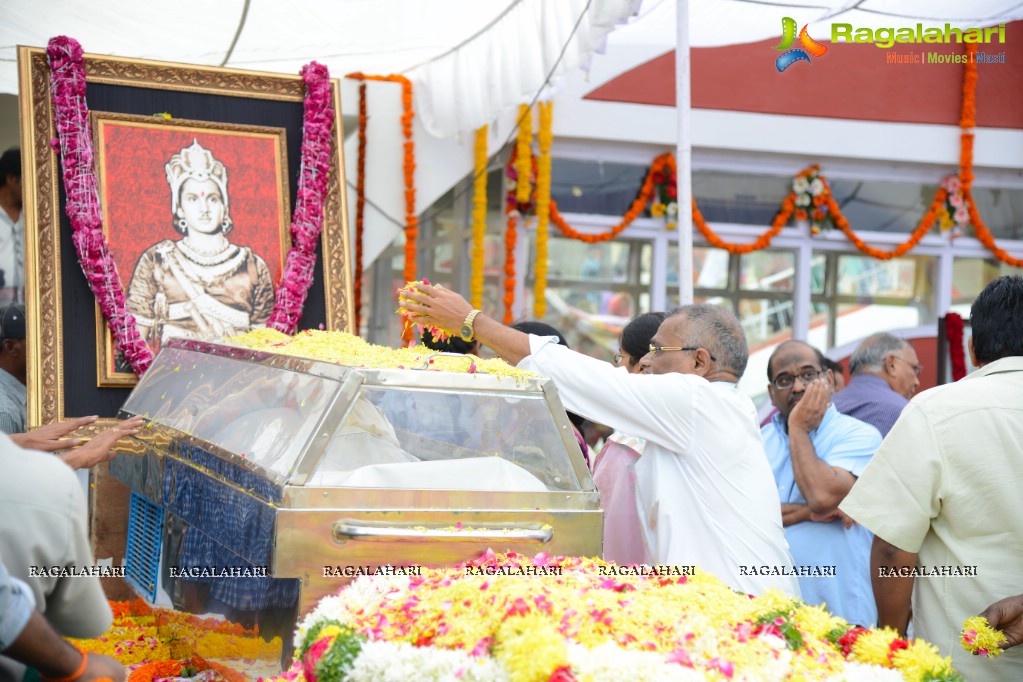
{"points": [[174, 238], [146, 116]]}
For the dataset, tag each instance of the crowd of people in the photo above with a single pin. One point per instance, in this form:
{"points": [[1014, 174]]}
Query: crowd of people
{"points": [[891, 509]]}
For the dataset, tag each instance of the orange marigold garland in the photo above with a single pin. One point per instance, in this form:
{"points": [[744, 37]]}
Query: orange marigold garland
{"points": [[360, 205], [639, 204], [510, 237], [966, 123], [543, 210], [926, 222], [479, 218], [409, 168]]}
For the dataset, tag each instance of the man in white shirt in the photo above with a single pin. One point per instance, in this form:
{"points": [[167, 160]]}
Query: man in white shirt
{"points": [[705, 492], [12, 229]]}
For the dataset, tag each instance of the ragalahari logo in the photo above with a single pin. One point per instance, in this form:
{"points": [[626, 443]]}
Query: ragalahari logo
{"points": [[788, 36]]}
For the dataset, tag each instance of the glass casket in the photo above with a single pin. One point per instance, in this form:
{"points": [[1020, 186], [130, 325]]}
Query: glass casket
{"points": [[265, 481]]}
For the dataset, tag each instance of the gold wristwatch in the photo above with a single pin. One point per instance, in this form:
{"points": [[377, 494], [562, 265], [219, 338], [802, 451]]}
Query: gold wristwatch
{"points": [[467, 332]]}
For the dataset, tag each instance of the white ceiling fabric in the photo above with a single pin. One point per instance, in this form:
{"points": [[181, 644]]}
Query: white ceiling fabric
{"points": [[461, 81]]}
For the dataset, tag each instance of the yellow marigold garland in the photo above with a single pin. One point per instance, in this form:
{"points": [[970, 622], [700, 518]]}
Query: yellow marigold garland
{"points": [[479, 218], [523, 154], [543, 209]]}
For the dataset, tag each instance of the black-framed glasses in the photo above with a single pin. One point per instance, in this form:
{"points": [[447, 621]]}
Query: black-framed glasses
{"points": [[656, 350], [917, 369], [807, 376]]}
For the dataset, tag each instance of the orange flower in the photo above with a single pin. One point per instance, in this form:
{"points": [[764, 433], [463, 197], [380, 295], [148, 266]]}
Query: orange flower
{"points": [[801, 214]]}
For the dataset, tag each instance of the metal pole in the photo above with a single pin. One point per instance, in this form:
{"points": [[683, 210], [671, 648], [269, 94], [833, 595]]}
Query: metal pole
{"points": [[684, 155]]}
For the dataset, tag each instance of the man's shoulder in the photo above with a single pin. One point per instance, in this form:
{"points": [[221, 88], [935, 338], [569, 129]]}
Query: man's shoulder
{"points": [[27, 472]]}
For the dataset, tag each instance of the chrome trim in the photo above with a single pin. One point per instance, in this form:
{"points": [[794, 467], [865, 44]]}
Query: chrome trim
{"points": [[348, 529]]}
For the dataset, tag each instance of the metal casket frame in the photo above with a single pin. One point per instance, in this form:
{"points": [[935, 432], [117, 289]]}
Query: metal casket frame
{"points": [[278, 516]]}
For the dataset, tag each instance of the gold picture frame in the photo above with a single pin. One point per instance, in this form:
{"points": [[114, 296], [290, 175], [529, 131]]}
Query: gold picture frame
{"points": [[131, 152], [63, 333]]}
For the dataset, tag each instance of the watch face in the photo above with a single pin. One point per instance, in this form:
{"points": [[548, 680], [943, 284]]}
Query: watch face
{"points": [[466, 332]]}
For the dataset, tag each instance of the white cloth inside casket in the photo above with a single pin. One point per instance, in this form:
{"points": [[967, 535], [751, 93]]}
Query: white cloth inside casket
{"points": [[474, 473]]}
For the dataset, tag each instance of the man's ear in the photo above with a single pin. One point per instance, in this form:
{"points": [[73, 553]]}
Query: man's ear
{"points": [[973, 354]]}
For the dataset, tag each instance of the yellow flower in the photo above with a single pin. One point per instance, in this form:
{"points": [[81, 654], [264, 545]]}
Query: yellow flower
{"points": [[873, 647], [670, 226], [530, 648], [920, 659], [657, 209], [980, 638], [816, 621]]}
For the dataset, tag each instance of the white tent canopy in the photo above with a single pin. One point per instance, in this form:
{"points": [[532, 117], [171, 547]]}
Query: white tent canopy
{"points": [[470, 60]]}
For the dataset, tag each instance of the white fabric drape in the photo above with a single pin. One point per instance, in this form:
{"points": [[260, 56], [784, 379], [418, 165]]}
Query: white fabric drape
{"points": [[510, 63]]}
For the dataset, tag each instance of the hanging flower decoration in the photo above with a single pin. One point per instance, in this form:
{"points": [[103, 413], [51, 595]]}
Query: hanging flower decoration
{"points": [[545, 618], [954, 215], [307, 220], [479, 217], [978, 637], [812, 198], [543, 210], [74, 141], [664, 203], [71, 119], [409, 172], [523, 155], [360, 204]]}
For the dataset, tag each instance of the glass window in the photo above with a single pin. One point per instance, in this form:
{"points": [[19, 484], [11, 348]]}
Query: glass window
{"points": [[593, 290], [743, 198], [710, 268], [595, 186], [865, 276], [767, 271], [971, 275], [862, 295], [408, 438]]}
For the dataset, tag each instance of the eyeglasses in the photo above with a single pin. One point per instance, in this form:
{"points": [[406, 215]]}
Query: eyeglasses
{"points": [[807, 376], [619, 357], [660, 349], [916, 368]]}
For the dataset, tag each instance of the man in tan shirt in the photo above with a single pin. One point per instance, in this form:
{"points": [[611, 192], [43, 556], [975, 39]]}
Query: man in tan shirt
{"points": [[942, 494]]}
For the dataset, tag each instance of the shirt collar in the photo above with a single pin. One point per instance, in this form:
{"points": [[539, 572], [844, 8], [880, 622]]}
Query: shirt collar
{"points": [[780, 424], [1013, 363]]}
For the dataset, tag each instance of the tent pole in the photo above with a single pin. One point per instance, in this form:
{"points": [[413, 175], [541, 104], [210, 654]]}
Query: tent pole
{"points": [[684, 154]]}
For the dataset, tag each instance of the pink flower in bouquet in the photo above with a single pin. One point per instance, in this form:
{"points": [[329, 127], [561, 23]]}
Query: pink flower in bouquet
{"points": [[951, 184], [955, 199], [962, 215], [313, 656]]}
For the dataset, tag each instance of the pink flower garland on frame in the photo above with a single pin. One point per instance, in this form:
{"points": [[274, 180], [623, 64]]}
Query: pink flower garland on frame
{"points": [[307, 220], [71, 118], [74, 138]]}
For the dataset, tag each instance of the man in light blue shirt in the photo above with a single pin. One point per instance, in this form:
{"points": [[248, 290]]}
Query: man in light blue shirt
{"points": [[816, 453]]}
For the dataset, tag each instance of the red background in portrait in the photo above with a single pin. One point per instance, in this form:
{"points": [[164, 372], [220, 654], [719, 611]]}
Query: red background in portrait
{"points": [[137, 198]]}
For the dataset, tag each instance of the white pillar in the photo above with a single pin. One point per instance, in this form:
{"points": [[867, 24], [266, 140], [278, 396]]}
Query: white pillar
{"points": [[684, 155]]}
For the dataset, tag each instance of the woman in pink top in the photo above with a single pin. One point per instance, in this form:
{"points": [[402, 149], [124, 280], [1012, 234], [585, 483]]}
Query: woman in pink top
{"points": [[614, 468]]}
